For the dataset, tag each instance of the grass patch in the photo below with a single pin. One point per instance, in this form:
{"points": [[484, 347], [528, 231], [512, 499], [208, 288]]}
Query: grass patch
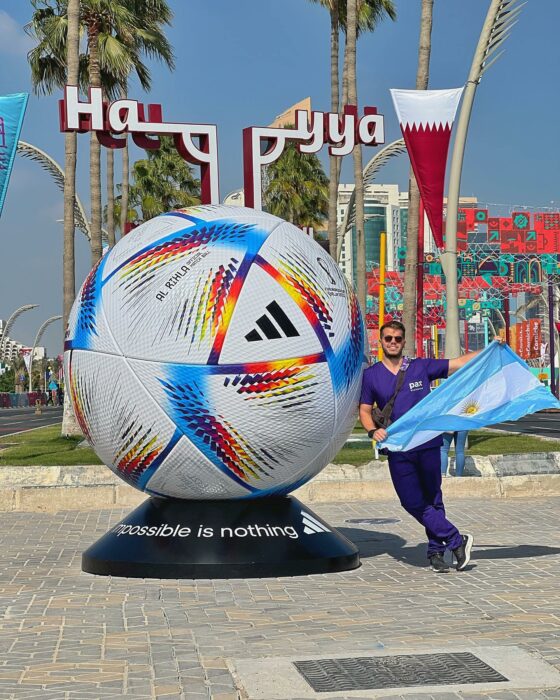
{"points": [[481, 442], [45, 447]]}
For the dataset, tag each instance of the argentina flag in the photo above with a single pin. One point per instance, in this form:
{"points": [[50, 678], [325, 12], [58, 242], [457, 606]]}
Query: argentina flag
{"points": [[493, 387]]}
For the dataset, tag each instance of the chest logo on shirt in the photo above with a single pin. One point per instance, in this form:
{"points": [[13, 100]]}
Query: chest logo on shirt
{"points": [[415, 386]]}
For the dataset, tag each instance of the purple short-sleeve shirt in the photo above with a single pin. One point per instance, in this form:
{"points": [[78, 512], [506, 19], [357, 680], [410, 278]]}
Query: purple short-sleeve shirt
{"points": [[379, 384]]}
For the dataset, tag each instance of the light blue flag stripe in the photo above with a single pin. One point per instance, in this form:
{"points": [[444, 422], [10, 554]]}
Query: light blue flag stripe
{"points": [[12, 111], [495, 386]]}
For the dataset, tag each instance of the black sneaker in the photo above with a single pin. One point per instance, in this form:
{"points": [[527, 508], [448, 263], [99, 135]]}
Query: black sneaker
{"points": [[463, 552], [438, 564]]}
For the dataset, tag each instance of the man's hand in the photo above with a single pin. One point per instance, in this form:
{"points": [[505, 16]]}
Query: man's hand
{"points": [[500, 340], [380, 435]]}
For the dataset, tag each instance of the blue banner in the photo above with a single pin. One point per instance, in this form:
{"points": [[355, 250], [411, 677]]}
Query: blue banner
{"points": [[12, 111]]}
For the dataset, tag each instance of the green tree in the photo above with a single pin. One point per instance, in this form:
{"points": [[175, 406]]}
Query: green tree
{"points": [[7, 380], [162, 181], [297, 188]]}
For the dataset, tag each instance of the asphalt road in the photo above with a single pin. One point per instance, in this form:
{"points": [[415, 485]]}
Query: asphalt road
{"points": [[17, 420], [543, 424]]}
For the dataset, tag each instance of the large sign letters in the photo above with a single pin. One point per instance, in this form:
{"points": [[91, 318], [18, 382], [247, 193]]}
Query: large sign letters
{"points": [[128, 116], [261, 145]]}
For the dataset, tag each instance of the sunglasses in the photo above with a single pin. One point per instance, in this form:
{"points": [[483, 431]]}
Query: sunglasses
{"points": [[389, 338]]}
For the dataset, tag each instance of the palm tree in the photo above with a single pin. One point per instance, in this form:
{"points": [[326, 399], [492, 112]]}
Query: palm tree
{"points": [[148, 38], [411, 269], [333, 8], [297, 188], [123, 218], [69, 422], [70, 154], [162, 181], [351, 35], [119, 32], [370, 12]]}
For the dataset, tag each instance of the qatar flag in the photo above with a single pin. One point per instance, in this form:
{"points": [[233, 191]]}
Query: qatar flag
{"points": [[426, 119]]}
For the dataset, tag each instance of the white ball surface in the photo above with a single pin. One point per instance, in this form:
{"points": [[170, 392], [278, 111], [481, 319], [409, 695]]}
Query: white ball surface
{"points": [[215, 353]]}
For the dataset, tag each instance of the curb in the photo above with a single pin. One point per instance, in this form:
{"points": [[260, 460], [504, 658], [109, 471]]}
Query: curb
{"points": [[55, 488]]}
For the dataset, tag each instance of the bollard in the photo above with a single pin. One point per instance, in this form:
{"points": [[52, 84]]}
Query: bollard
{"points": [[38, 407]]}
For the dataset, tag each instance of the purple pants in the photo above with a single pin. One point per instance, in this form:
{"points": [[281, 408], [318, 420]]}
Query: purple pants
{"points": [[417, 480]]}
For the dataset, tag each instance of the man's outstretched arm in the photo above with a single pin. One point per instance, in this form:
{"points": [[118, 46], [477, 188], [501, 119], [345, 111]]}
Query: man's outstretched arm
{"points": [[458, 362]]}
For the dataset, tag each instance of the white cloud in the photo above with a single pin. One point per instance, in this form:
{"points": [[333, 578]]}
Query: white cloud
{"points": [[13, 40]]}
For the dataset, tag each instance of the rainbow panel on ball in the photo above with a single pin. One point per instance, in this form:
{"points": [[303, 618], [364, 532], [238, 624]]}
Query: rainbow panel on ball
{"points": [[177, 293], [317, 284], [260, 424], [267, 324], [127, 429], [215, 352]]}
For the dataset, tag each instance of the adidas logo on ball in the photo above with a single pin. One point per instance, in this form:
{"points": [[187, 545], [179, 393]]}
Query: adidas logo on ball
{"points": [[285, 327]]}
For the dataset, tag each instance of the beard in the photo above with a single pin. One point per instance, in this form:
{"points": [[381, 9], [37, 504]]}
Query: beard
{"points": [[393, 353]]}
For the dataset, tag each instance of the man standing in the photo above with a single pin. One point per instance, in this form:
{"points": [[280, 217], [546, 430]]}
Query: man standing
{"points": [[416, 474]]}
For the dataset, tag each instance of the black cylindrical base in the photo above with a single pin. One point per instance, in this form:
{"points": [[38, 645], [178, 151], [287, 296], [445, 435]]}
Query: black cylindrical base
{"points": [[166, 538]]}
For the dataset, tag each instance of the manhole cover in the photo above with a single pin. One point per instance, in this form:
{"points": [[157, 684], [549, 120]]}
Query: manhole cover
{"points": [[403, 671], [372, 521]]}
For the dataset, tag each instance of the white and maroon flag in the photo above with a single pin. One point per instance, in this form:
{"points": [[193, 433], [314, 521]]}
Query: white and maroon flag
{"points": [[426, 119]]}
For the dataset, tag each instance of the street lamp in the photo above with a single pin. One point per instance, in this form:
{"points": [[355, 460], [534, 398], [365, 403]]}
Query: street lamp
{"points": [[10, 323], [38, 337], [500, 18]]}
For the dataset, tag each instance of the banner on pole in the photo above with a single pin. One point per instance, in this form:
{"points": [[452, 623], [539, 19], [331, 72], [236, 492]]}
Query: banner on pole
{"points": [[12, 111], [426, 119], [25, 353]]}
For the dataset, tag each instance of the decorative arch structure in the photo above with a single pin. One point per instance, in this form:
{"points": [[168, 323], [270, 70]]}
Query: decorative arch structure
{"points": [[28, 150], [370, 171]]}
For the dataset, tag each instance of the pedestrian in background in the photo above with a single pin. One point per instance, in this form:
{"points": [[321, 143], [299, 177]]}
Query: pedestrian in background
{"points": [[459, 437]]}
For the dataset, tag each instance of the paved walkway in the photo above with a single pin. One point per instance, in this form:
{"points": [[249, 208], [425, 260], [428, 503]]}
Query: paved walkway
{"points": [[65, 634]]}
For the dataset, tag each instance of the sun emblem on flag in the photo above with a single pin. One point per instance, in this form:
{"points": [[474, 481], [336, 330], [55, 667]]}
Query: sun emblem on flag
{"points": [[469, 408]]}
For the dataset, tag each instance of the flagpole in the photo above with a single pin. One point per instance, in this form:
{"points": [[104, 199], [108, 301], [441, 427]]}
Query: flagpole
{"points": [[420, 284], [551, 343]]}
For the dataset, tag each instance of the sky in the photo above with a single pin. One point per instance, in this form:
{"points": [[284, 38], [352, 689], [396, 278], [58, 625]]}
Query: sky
{"points": [[241, 64]]}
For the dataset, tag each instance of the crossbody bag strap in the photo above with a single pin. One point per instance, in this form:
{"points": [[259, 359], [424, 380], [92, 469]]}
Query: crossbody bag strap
{"points": [[388, 408]]}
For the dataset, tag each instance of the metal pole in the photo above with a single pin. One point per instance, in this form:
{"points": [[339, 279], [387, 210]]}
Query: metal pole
{"points": [[382, 266], [499, 19], [506, 318], [38, 337], [420, 284], [551, 340]]}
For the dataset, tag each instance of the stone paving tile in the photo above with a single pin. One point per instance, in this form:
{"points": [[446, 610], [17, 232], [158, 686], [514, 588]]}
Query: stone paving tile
{"points": [[69, 635]]}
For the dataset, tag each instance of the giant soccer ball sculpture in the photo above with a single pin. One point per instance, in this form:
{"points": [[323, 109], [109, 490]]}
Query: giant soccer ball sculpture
{"points": [[215, 353]]}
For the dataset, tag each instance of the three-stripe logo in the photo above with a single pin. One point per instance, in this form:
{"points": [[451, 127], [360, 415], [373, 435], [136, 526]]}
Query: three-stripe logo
{"points": [[311, 526], [269, 329]]}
